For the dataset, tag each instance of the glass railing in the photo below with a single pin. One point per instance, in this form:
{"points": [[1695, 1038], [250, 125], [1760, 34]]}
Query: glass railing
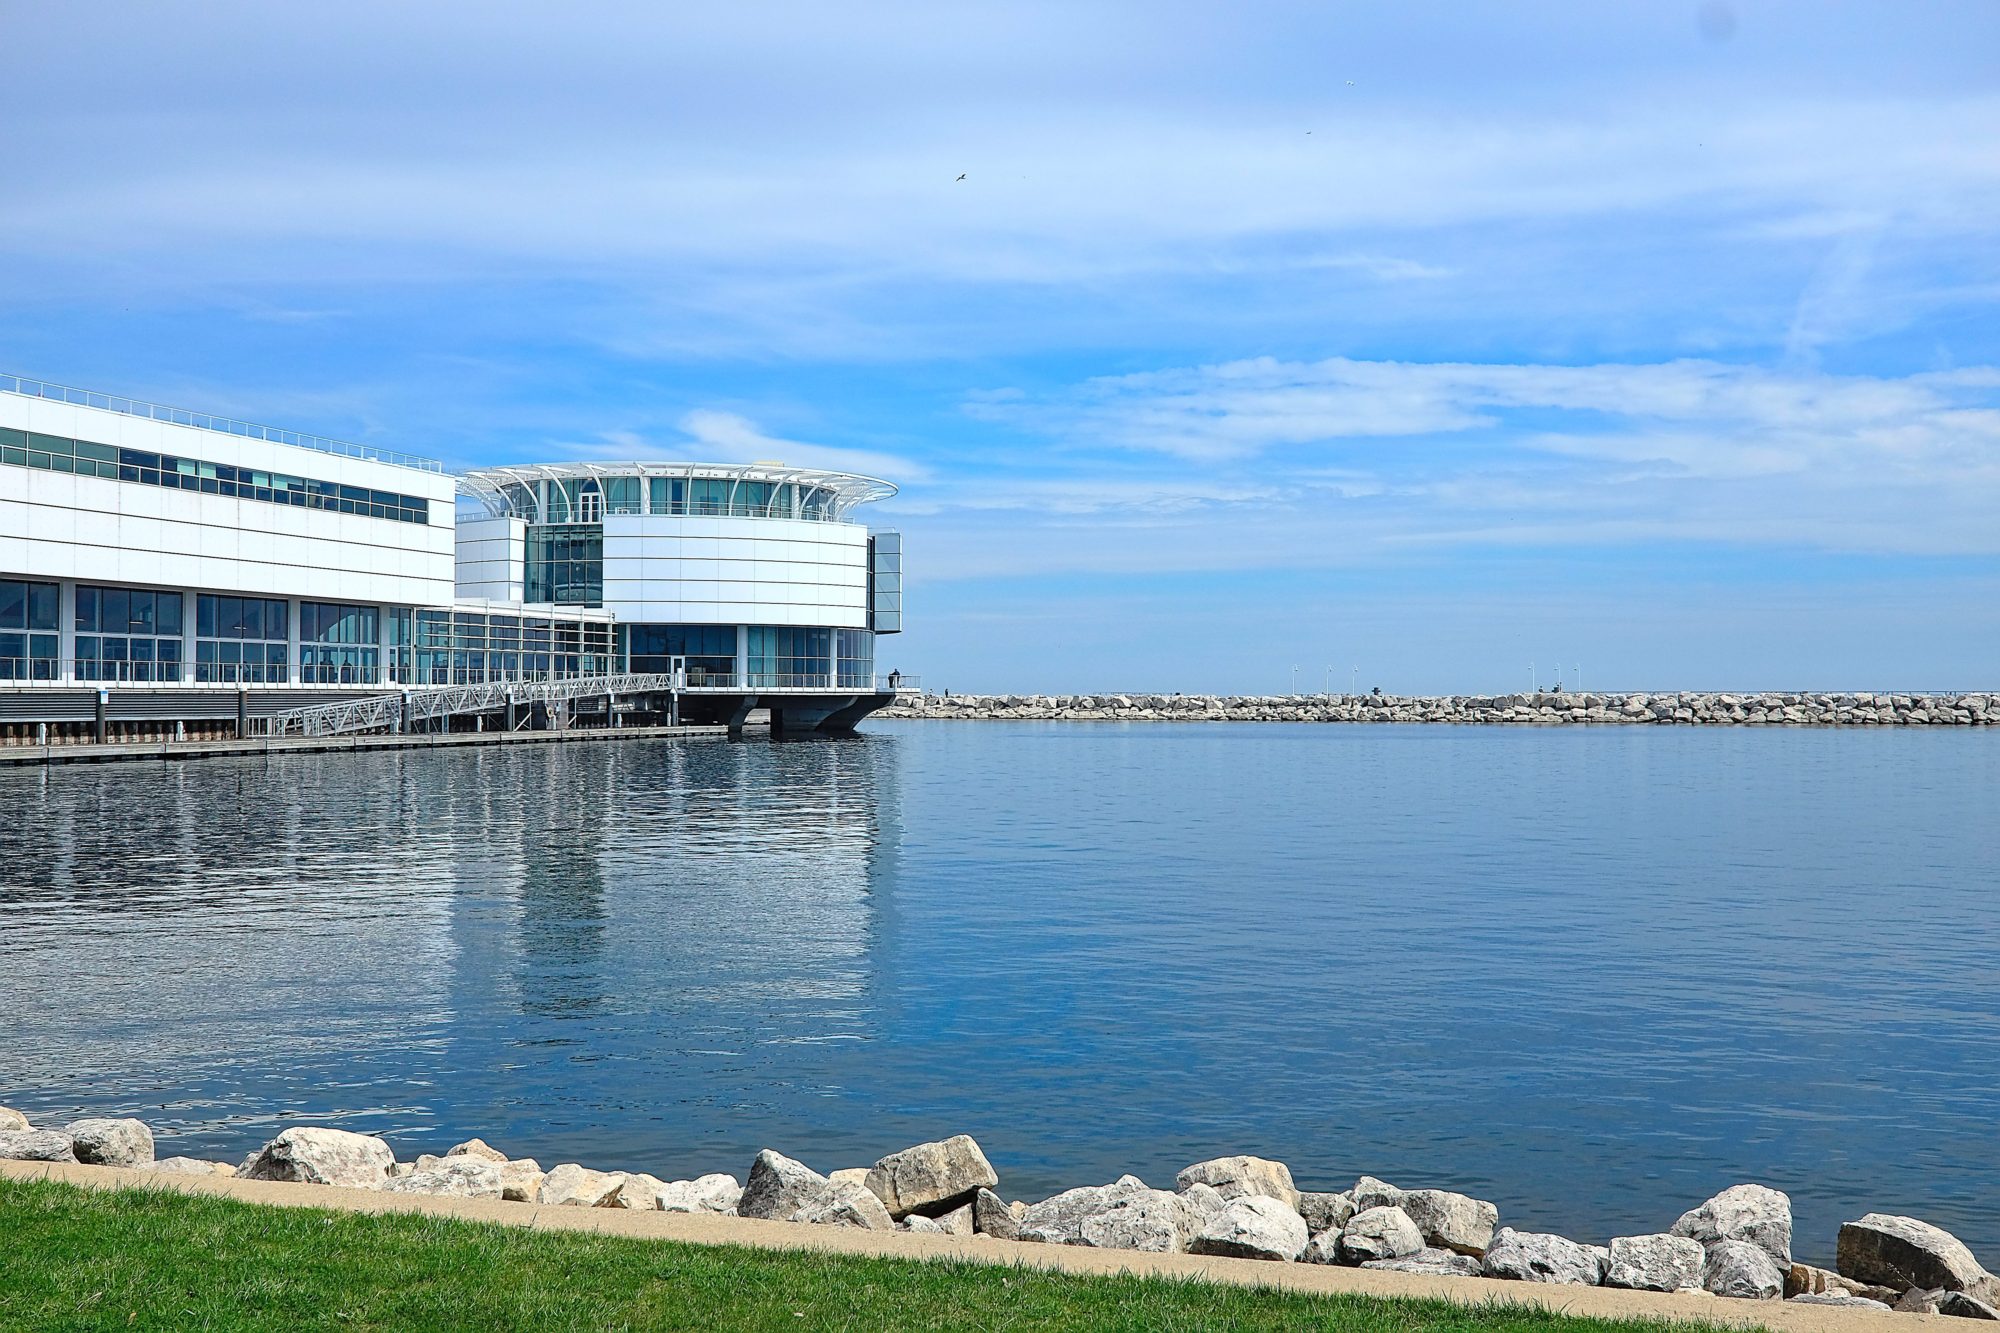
{"points": [[133, 407]]}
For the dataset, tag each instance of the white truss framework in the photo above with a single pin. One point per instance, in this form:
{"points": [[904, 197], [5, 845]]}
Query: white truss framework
{"points": [[383, 711]]}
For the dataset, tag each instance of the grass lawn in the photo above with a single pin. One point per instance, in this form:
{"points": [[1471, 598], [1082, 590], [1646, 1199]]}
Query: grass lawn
{"points": [[137, 1259]]}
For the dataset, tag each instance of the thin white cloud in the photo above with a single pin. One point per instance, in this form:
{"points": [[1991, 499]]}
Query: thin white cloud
{"points": [[708, 435]]}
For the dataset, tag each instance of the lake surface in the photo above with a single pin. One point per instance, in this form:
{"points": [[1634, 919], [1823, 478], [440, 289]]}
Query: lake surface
{"points": [[1592, 974]]}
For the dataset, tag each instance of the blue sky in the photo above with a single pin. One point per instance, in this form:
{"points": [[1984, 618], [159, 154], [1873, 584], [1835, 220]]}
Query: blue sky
{"points": [[1402, 343]]}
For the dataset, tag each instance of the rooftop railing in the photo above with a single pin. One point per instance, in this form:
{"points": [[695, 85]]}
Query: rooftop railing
{"points": [[180, 416]]}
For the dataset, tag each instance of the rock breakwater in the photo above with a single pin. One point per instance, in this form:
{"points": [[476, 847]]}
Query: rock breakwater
{"points": [[1737, 1244], [1549, 708]]}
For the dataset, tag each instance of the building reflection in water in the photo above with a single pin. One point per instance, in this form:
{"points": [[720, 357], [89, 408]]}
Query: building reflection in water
{"points": [[618, 951]]}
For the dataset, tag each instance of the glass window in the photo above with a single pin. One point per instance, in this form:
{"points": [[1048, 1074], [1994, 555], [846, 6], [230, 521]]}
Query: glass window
{"points": [[86, 458]]}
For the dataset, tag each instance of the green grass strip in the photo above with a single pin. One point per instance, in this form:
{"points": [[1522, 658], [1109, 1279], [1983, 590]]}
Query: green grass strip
{"points": [[74, 1259]]}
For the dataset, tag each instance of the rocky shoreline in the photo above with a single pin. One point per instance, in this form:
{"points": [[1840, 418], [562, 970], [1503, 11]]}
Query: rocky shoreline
{"points": [[1549, 708], [1737, 1244]]}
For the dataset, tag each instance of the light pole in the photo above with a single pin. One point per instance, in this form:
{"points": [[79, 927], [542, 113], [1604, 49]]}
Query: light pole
{"points": [[1295, 680]]}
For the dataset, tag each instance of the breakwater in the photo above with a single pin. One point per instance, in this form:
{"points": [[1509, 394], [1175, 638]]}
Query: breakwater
{"points": [[1549, 708], [1736, 1244]]}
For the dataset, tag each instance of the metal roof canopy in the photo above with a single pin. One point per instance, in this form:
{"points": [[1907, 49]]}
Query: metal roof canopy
{"points": [[848, 489]]}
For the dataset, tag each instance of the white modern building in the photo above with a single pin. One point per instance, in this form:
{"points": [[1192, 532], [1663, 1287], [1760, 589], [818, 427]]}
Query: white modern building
{"points": [[161, 555]]}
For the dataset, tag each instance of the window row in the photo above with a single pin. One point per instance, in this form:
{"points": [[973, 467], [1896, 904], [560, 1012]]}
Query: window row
{"points": [[29, 605], [560, 500], [53, 453]]}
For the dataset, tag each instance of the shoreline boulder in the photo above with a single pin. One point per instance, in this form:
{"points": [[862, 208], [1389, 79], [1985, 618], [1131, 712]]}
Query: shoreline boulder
{"points": [[1429, 1263], [932, 1178], [476, 1148], [1452, 1221], [712, 1193], [36, 1145], [1383, 1232], [1127, 1214], [190, 1166], [111, 1142], [1754, 1213], [1324, 1211], [778, 1186], [1742, 1270], [454, 1178], [844, 1203], [521, 1179], [1655, 1263], [1242, 1176], [992, 1217], [573, 1186], [314, 1156], [1253, 1226], [13, 1122], [1533, 1256], [1903, 1252]]}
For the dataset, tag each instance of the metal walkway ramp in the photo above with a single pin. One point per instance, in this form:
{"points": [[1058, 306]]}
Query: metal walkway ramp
{"points": [[427, 703]]}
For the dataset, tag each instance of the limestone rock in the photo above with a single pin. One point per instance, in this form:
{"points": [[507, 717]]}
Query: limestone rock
{"points": [[1254, 1226], [521, 1179], [1369, 1192], [316, 1156], [1655, 1263], [1453, 1221], [845, 1203], [1431, 1263], [640, 1193], [1965, 1307], [1126, 1214], [13, 1122], [1154, 1221], [992, 1217], [959, 1220], [1902, 1252], [1753, 1213], [1382, 1232], [714, 1193], [111, 1142], [917, 1222], [1240, 1177], [476, 1148], [1744, 1270], [1532, 1256], [1920, 1300], [932, 1178], [857, 1174], [778, 1186], [573, 1186], [426, 1161], [1203, 1202], [191, 1166], [1837, 1297], [1323, 1211], [36, 1145], [455, 1178]]}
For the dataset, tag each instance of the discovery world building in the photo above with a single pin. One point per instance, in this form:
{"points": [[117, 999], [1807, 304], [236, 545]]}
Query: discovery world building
{"points": [[168, 574]]}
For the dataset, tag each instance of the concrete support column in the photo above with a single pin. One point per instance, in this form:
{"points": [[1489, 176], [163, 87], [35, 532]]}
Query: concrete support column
{"points": [[66, 631], [190, 605], [382, 645]]}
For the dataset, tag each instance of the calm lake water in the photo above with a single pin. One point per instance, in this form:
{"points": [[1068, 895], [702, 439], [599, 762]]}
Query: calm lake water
{"points": [[1593, 975]]}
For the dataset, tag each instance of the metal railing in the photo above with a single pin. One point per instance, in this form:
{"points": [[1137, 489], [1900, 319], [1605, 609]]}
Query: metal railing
{"points": [[86, 672], [411, 707], [900, 680], [179, 416], [698, 681]]}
